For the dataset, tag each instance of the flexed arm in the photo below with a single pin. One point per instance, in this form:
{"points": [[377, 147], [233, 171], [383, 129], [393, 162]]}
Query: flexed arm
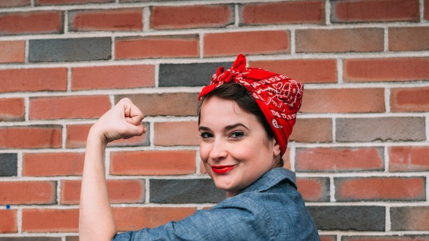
{"points": [[96, 221]]}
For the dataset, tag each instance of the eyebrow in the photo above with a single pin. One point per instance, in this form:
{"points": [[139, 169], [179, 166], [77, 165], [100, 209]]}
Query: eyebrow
{"points": [[227, 128]]}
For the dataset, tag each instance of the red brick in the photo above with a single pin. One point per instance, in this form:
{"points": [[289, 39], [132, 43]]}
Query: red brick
{"points": [[328, 238], [157, 47], [106, 20], [388, 238], [31, 22], [302, 70], [386, 69], [339, 159], [408, 158], [120, 191], [12, 51], [11, 109], [409, 99], [194, 16], [77, 135], [23, 80], [312, 130], [53, 164], [8, 220], [30, 137], [254, 42], [426, 10], [343, 100], [113, 77], [339, 40], [283, 13], [375, 11], [68, 107], [14, 3], [135, 218], [17, 192], [380, 189], [313, 189], [409, 39], [61, 2], [153, 163], [164, 104], [54, 220], [183, 133]]}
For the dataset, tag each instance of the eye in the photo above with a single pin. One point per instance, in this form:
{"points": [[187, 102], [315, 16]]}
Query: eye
{"points": [[205, 135], [236, 134]]}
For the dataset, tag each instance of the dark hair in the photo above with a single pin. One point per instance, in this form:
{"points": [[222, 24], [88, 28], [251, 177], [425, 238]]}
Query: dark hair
{"points": [[239, 94]]}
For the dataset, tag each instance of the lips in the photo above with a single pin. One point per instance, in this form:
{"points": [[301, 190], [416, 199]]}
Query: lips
{"points": [[222, 169]]}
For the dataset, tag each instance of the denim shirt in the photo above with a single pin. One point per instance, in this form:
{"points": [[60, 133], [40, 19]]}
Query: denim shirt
{"points": [[271, 208]]}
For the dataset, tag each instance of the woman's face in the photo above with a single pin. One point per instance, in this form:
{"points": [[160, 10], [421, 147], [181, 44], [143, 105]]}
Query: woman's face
{"points": [[235, 148]]}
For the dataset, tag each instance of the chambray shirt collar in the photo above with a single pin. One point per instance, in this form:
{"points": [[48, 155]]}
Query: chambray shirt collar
{"points": [[270, 179]]}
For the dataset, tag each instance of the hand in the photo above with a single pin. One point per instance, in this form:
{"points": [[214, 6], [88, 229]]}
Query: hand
{"points": [[124, 120]]}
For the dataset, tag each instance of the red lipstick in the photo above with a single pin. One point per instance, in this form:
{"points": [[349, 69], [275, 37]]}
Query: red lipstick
{"points": [[222, 169]]}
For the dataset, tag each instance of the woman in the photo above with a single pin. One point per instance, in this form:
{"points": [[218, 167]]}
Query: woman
{"points": [[245, 118]]}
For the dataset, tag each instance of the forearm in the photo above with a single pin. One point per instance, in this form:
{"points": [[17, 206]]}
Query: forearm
{"points": [[95, 219]]}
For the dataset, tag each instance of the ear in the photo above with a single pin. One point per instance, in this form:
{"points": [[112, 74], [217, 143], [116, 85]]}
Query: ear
{"points": [[276, 148]]}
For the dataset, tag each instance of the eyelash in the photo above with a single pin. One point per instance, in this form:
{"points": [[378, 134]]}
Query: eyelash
{"points": [[234, 134]]}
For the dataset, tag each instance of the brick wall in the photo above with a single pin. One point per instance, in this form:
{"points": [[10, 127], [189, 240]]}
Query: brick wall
{"points": [[360, 146]]}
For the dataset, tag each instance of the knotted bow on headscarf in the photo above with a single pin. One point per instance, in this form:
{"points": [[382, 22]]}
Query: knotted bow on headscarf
{"points": [[278, 96]]}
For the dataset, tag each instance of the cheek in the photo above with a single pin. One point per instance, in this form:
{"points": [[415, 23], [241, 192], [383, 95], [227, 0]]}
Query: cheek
{"points": [[204, 150]]}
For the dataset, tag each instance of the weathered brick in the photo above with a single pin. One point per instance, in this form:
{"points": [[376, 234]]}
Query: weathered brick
{"points": [[54, 220], [69, 50], [371, 100], [339, 40], [409, 99], [165, 104], [113, 77], [39, 136], [153, 162], [68, 107], [426, 10], [380, 189], [106, 20], [313, 189], [12, 109], [31, 22], [9, 165], [408, 158], [193, 16], [256, 42], [409, 218], [302, 70], [409, 39], [171, 46], [387, 238], [375, 11], [312, 130], [183, 133], [348, 218], [31, 238], [339, 159], [184, 191], [380, 129], [135, 218], [283, 13], [12, 51], [120, 191], [61, 2], [52, 164], [20, 192], [77, 135], [176, 75], [72, 238], [25, 80], [386, 69], [8, 221], [14, 3]]}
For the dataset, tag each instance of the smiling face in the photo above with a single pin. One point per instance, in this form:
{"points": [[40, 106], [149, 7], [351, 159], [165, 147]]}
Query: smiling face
{"points": [[235, 147]]}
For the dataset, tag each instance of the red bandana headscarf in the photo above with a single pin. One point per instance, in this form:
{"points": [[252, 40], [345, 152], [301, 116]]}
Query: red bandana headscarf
{"points": [[278, 96]]}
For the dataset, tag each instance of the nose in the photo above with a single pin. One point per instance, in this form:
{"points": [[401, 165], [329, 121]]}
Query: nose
{"points": [[218, 150]]}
